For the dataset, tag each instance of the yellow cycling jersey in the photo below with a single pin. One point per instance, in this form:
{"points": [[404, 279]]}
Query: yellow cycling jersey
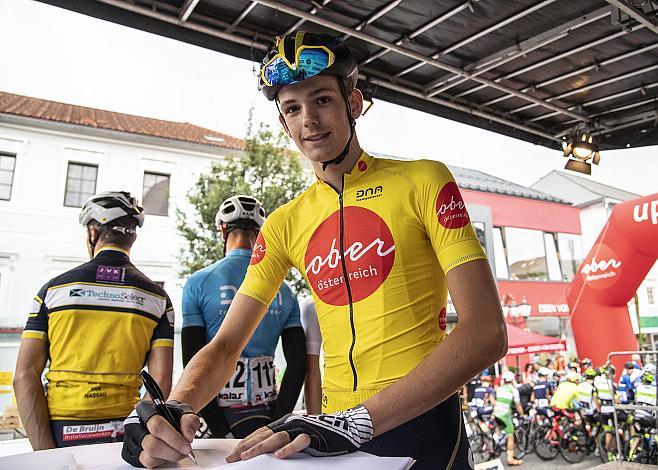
{"points": [[565, 395], [375, 257], [100, 320]]}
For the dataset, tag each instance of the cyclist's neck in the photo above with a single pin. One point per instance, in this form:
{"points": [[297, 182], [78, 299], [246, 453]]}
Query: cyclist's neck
{"points": [[333, 175]]}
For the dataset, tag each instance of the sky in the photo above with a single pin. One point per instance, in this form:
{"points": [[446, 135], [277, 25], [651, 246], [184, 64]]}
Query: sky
{"points": [[54, 54]]}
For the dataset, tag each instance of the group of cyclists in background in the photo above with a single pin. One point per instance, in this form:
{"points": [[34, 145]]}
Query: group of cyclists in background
{"points": [[570, 412]]}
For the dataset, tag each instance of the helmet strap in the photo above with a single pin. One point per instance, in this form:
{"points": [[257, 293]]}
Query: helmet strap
{"points": [[341, 155]]}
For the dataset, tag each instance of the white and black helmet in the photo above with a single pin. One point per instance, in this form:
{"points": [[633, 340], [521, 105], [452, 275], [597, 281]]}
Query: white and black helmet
{"points": [[111, 205], [245, 211]]}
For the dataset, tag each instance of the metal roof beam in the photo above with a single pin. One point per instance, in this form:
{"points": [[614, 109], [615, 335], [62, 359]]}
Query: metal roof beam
{"points": [[589, 87], [386, 83], [629, 121], [173, 19], [641, 89], [314, 10], [187, 9], [521, 49], [418, 31], [241, 17], [634, 13], [375, 16], [478, 35], [414, 55], [550, 60]]}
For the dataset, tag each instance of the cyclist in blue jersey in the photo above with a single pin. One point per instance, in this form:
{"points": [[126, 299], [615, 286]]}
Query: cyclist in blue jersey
{"points": [[483, 397], [542, 391], [249, 400]]}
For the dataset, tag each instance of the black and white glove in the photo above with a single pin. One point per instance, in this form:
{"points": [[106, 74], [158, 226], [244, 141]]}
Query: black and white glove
{"points": [[135, 429], [331, 434]]}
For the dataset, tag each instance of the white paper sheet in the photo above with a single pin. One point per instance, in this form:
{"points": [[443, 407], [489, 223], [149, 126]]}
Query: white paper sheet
{"points": [[211, 455], [37, 460]]}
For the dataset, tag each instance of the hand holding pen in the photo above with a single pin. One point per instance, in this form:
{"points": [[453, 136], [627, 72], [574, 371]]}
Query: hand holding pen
{"points": [[163, 410]]}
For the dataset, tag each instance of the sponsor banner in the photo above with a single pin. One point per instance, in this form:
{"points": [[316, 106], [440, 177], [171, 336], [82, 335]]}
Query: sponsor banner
{"points": [[603, 269], [537, 349], [369, 253], [533, 299], [92, 431], [105, 295], [646, 211]]}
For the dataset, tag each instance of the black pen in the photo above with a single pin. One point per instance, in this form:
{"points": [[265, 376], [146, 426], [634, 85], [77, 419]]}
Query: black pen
{"points": [[156, 395]]}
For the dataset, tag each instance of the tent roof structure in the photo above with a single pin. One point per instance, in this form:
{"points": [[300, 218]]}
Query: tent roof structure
{"points": [[535, 70]]}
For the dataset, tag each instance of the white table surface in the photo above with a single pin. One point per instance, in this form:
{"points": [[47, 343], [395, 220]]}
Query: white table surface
{"points": [[210, 454]]}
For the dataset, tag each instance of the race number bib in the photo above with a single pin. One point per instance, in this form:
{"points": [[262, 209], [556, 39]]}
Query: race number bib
{"points": [[235, 391], [478, 402], [263, 379], [253, 382], [542, 403]]}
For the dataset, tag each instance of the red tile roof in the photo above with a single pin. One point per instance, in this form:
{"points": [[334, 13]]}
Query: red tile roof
{"points": [[26, 106]]}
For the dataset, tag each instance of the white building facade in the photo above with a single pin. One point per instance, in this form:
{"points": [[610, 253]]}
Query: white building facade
{"points": [[47, 170]]}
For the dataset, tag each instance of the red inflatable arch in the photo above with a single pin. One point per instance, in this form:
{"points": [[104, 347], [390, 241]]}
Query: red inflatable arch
{"points": [[609, 277]]}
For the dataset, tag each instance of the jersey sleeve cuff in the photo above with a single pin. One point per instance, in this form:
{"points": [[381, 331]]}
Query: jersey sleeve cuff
{"points": [[258, 289], [33, 334], [159, 343], [459, 253]]}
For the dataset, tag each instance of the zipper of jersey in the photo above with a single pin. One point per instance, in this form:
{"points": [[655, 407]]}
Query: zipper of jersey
{"points": [[347, 282]]}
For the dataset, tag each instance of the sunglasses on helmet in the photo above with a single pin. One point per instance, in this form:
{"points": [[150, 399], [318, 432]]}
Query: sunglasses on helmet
{"points": [[309, 61]]}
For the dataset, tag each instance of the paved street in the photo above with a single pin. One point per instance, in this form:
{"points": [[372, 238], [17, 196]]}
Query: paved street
{"points": [[533, 462]]}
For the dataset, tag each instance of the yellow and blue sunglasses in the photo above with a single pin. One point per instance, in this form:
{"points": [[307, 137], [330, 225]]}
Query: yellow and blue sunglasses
{"points": [[309, 61]]}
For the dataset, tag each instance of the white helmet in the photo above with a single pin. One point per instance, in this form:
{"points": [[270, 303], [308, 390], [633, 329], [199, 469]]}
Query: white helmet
{"points": [[508, 376], [649, 368], [238, 209], [544, 371], [111, 205]]}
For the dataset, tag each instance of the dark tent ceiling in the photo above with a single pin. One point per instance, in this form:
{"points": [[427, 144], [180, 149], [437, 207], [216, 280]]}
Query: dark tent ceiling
{"points": [[533, 70]]}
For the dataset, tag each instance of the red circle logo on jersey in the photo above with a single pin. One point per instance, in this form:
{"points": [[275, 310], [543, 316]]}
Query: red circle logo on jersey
{"points": [[450, 207], [442, 319], [362, 166], [258, 253], [369, 255], [603, 269]]}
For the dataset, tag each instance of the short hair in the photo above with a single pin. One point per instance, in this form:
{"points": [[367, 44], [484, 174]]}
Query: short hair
{"points": [[121, 232]]}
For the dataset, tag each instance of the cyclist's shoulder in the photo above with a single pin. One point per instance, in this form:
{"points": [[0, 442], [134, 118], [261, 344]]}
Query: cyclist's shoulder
{"points": [[215, 270], [415, 170]]}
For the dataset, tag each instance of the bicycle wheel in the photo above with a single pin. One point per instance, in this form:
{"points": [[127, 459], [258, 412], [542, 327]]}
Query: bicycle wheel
{"points": [[635, 450], [521, 441], [607, 445], [482, 446], [542, 444], [573, 445]]}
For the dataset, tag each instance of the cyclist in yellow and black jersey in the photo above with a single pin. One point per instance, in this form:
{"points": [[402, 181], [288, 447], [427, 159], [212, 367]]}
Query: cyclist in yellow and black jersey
{"points": [[97, 324]]}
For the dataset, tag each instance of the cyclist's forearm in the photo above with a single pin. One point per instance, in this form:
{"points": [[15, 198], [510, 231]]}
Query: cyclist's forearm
{"points": [[205, 375], [438, 376], [33, 409]]}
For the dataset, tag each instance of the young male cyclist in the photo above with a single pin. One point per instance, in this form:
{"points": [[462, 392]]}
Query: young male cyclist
{"points": [[380, 243], [250, 398]]}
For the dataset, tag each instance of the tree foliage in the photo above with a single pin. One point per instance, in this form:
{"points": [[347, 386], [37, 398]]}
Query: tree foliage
{"points": [[266, 170]]}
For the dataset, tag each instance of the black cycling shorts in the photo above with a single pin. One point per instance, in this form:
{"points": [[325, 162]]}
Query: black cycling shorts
{"points": [[69, 433], [243, 420], [436, 439]]}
